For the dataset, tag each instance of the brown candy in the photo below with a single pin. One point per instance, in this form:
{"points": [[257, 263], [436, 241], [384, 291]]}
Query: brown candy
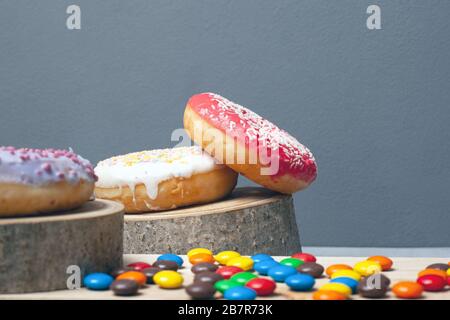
{"points": [[368, 291], [373, 287], [119, 271], [124, 287], [149, 273], [166, 265], [200, 290], [312, 268], [438, 266], [204, 266], [207, 277], [385, 281]]}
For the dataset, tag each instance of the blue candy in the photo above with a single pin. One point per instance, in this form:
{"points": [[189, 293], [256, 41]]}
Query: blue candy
{"points": [[263, 267], [280, 272], [171, 257], [300, 282], [239, 293], [352, 283], [98, 281], [260, 257]]}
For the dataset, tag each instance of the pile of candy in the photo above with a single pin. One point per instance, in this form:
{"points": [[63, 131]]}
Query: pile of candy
{"points": [[127, 281], [364, 278], [239, 277]]}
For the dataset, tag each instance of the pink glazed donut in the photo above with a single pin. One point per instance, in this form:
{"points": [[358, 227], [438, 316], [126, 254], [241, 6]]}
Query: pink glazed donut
{"points": [[40, 181], [249, 144]]}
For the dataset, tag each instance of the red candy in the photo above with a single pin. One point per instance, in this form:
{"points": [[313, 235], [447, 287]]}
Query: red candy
{"points": [[306, 257], [431, 282], [227, 272], [262, 286], [138, 266]]}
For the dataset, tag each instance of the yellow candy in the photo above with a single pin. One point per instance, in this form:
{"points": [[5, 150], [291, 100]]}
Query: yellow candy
{"points": [[448, 272], [198, 250], [367, 268], [224, 256], [337, 287], [168, 279], [346, 273], [244, 263]]}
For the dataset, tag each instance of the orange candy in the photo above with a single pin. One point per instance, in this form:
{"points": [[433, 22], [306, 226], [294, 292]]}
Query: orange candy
{"points": [[439, 273], [335, 267], [137, 276], [200, 258], [385, 262], [407, 290], [328, 295]]}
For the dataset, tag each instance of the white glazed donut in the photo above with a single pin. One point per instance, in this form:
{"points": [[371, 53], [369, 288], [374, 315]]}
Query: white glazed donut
{"points": [[249, 144], [43, 180], [163, 179]]}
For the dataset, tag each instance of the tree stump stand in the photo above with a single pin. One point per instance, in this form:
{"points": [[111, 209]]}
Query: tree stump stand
{"points": [[250, 220], [36, 251]]}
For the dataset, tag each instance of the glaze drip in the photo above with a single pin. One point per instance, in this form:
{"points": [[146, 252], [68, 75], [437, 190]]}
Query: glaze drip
{"points": [[152, 167]]}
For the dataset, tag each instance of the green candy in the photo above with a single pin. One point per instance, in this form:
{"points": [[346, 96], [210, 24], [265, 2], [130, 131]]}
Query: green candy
{"points": [[224, 285], [243, 277], [292, 262]]}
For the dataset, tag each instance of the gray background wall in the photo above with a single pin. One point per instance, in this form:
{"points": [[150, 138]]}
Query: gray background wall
{"points": [[372, 105]]}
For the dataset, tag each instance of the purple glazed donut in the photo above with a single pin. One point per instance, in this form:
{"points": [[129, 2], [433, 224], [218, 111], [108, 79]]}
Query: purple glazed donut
{"points": [[43, 180]]}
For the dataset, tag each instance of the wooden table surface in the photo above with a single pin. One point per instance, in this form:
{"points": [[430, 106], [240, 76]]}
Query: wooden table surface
{"points": [[404, 269]]}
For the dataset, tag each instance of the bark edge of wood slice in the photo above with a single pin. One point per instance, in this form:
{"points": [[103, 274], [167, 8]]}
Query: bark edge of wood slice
{"points": [[35, 251], [250, 220]]}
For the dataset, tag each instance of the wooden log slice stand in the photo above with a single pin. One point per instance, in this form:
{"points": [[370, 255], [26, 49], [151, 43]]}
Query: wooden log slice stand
{"points": [[250, 220], [36, 251]]}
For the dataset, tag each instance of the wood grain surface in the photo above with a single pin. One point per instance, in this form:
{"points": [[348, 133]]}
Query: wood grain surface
{"points": [[249, 219], [404, 269], [35, 251]]}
